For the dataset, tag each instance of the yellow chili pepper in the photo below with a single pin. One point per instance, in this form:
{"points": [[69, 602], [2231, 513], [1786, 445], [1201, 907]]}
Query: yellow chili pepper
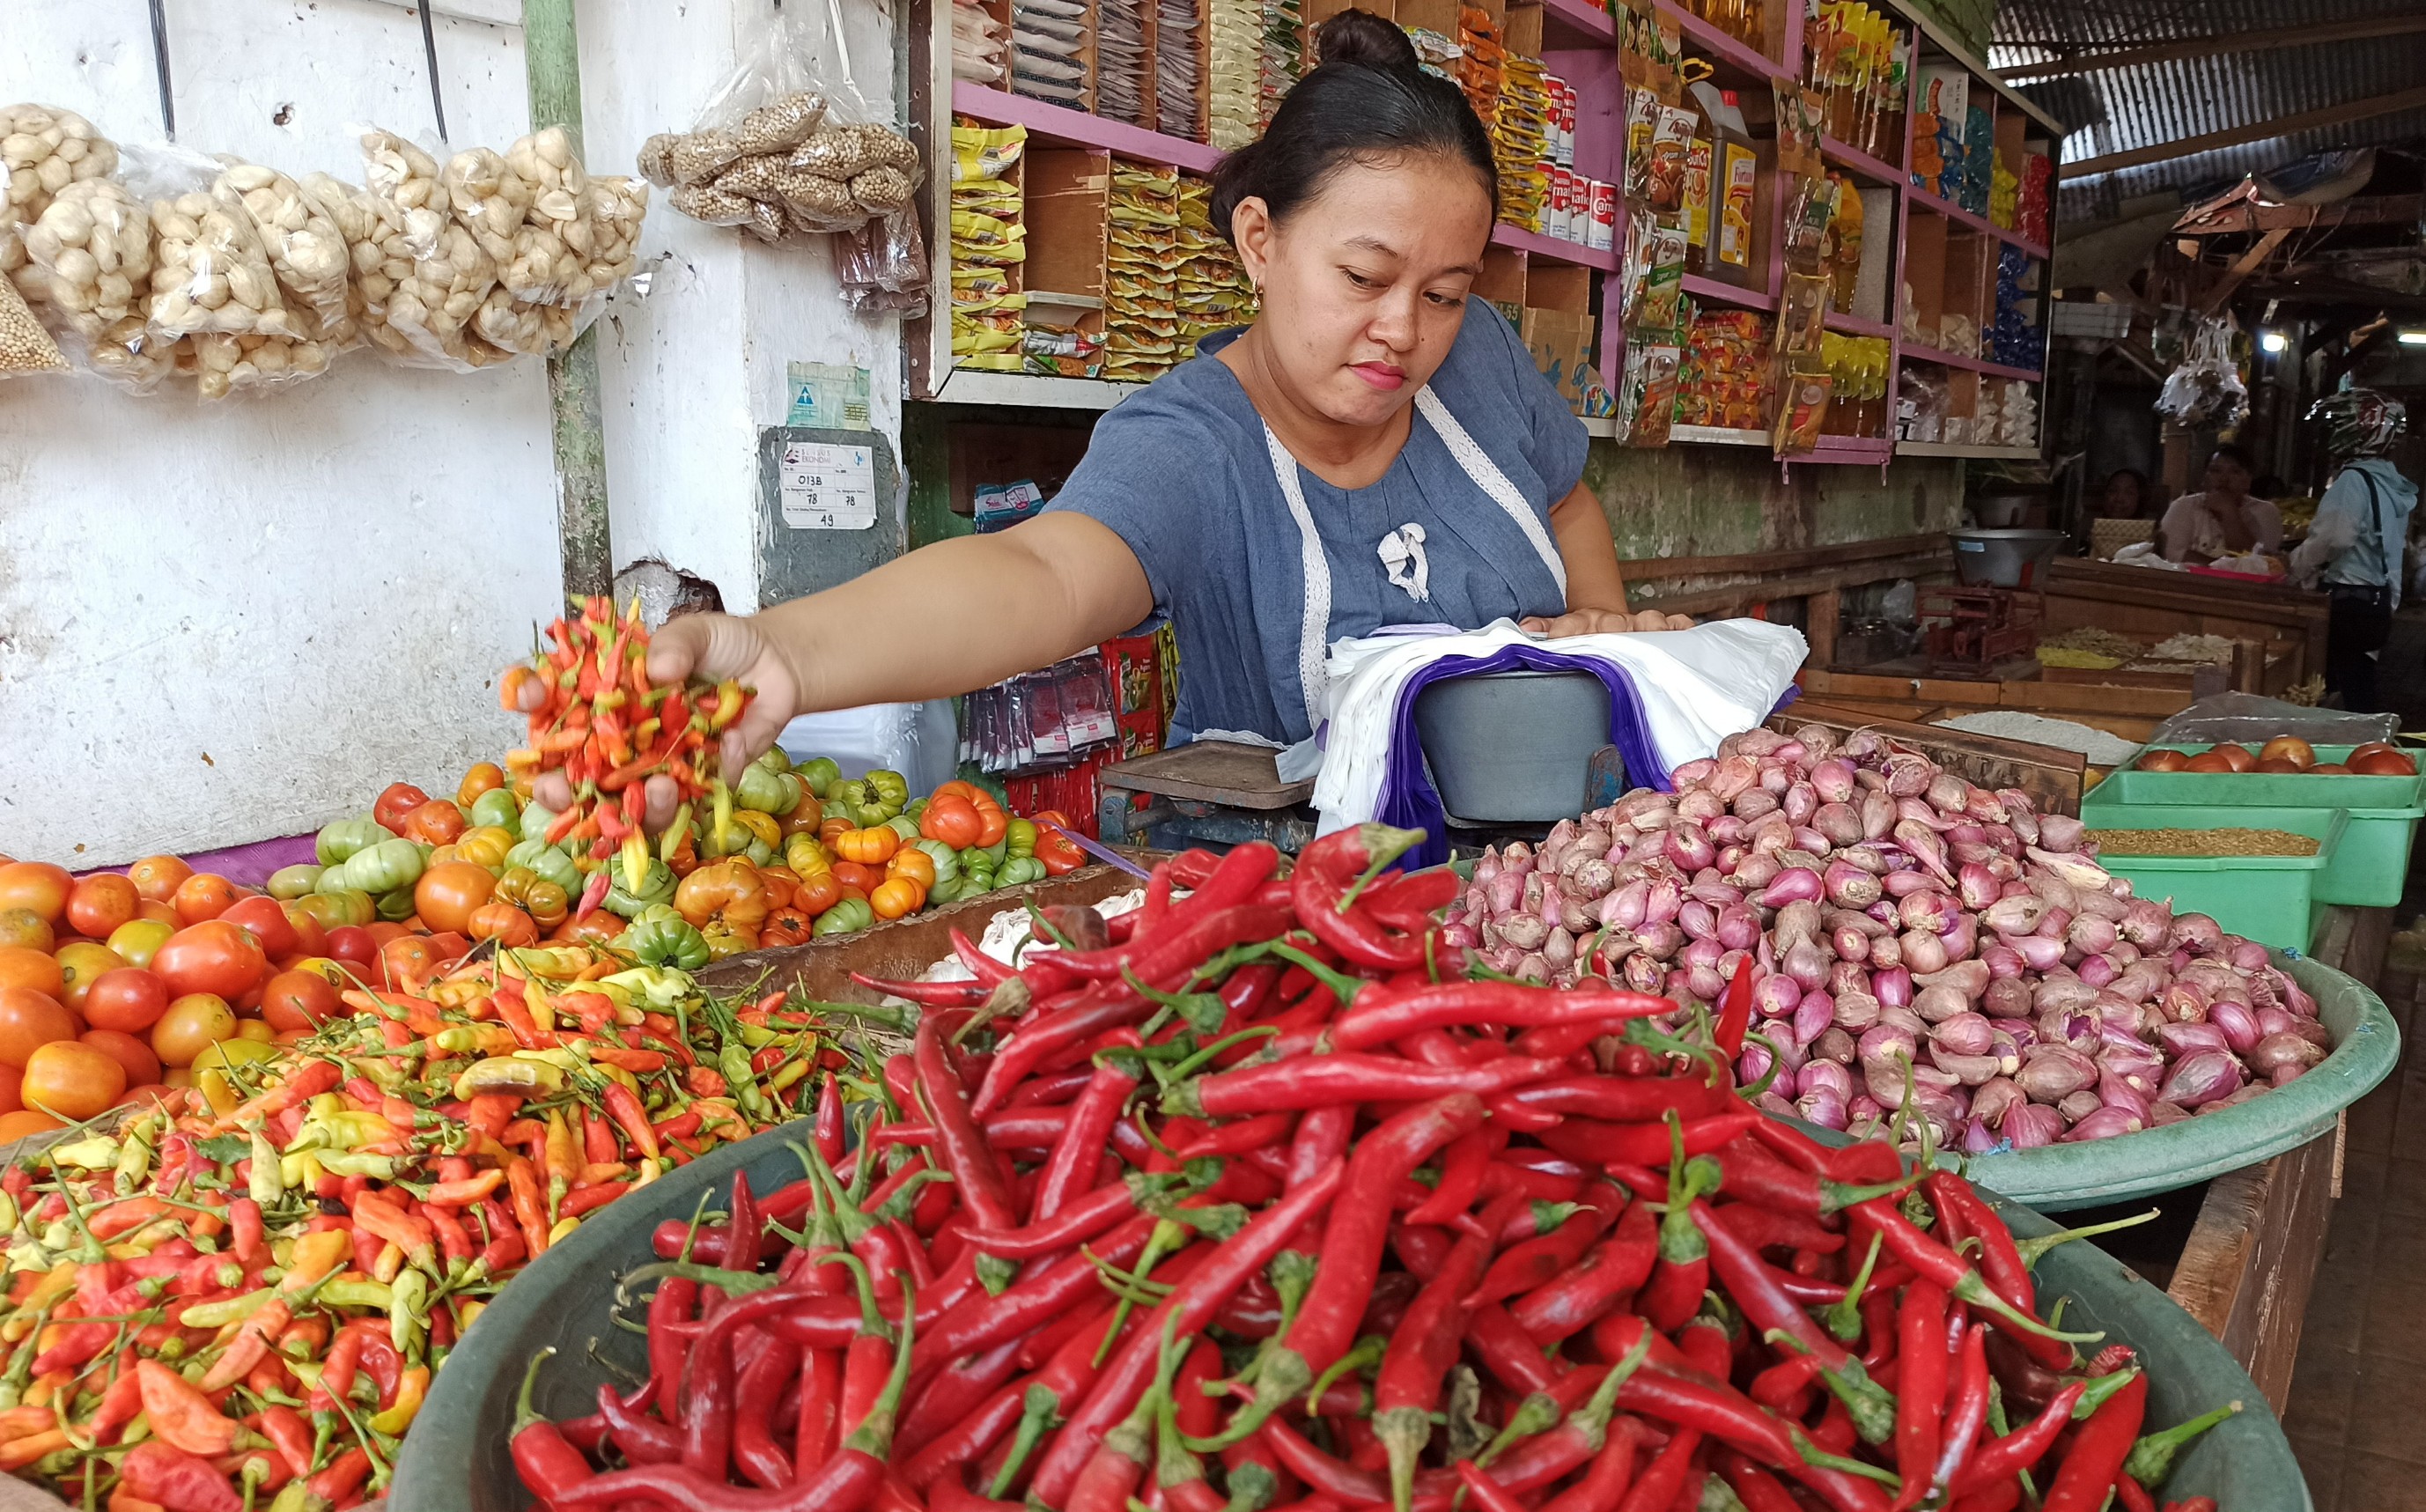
{"points": [[410, 1389]]}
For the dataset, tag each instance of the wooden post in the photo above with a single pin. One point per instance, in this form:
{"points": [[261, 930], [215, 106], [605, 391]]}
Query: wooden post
{"points": [[1820, 626], [2178, 465], [2248, 666], [552, 58]]}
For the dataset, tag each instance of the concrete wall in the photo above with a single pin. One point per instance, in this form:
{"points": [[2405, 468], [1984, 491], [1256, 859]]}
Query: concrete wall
{"points": [[1705, 501], [227, 622]]}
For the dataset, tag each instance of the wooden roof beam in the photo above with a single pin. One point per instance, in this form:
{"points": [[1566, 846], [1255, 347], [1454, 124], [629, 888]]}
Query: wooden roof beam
{"points": [[2376, 210], [2338, 114], [2239, 42]]}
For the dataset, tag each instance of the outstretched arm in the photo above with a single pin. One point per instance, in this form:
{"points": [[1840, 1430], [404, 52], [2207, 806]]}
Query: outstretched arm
{"points": [[943, 620], [1595, 583]]}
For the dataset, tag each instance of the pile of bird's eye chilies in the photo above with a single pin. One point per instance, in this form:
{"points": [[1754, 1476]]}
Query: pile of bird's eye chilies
{"points": [[1252, 1200]]}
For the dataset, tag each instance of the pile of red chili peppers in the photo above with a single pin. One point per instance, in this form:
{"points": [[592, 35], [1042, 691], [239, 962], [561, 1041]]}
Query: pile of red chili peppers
{"points": [[1246, 1207]]}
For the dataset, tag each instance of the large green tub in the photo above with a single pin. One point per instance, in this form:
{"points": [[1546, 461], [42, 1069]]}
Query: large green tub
{"points": [[455, 1458]]}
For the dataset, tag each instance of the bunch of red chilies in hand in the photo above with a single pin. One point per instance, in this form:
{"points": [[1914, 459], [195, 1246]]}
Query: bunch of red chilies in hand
{"points": [[1248, 1209]]}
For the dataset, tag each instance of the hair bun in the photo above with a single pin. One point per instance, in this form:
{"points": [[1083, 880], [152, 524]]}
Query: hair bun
{"points": [[1363, 40]]}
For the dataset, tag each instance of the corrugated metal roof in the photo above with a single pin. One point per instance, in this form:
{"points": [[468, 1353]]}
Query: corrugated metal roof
{"points": [[2112, 110]]}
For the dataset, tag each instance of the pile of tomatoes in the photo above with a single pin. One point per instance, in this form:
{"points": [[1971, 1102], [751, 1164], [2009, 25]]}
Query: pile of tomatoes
{"points": [[2284, 754], [112, 985]]}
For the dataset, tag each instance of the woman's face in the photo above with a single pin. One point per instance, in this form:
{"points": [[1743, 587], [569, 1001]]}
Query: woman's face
{"points": [[1365, 285], [2122, 500], [2226, 477]]}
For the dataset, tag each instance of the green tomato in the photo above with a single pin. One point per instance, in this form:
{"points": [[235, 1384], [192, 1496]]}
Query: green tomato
{"points": [[657, 887], [948, 861], [975, 880], [1020, 835], [660, 937], [945, 892], [289, 883], [340, 840], [390, 866], [769, 792], [498, 808], [890, 788], [847, 917], [820, 773], [903, 825], [345, 905], [395, 907], [547, 862], [536, 819], [774, 760], [996, 853], [1019, 869]]}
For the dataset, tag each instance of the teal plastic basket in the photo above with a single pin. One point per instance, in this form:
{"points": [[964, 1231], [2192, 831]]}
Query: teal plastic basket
{"points": [[2274, 899]]}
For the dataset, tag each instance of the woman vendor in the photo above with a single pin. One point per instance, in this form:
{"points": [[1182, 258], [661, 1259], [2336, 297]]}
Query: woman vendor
{"points": [[2220, 520], [1378, 448], [2353, 550]]}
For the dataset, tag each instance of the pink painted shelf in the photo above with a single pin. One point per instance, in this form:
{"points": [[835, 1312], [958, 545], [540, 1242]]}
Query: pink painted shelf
{"points": [[1569, 23], [1915, 351], [1854, 325], [1533, 244], [1742, 55], [1844, 155], [1075, 128], [1718, 291], [1922, 199]]}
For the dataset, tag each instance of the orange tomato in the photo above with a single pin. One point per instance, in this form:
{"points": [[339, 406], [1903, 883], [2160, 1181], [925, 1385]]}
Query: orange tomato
{"points": [[600, 927], [159, 913], [897, 898], [266, 916], [868, 847], [406, 962], [99, 903], [81, 965], [158, 877], [72, 1080], [993, 823], [203, 895], [127, 1000], [952, 820], [436, 822], [10, 1079], [298, 1000], [817, 893], [38, 886], [785, 926], [779, 882], [915, 864], [485, 776], [142, 1067], [851, 874], [33, 970], [214, 957], [967, 792], [446, 895], [193, 1024], [26, 928], [504, 923], [832, 828], [26, 1124], [136, 943], [310, 938], [28, 1020]]}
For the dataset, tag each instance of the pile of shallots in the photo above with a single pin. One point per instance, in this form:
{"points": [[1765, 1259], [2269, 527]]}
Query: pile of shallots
{"points": [[1911, 935]]}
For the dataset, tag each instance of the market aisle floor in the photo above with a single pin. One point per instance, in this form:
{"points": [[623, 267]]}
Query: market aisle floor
{"points": [[2358, 1393]]}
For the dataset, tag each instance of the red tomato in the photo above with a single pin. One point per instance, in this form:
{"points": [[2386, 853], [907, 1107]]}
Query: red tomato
{"points": [[157, 877], [298, 1000], [128, 1000], [214, 957], [101, 902], [267, 918], [438, 821], [400, 799], [406, 962], [28, 1020], [203, 895], [38, 886], [81, 964], [142, 1067], [310, 938], [351, 943]]}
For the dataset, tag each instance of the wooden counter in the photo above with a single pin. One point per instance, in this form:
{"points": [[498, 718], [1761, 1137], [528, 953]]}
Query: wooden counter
{"points": [[2286, 624], [2260, 1233]]}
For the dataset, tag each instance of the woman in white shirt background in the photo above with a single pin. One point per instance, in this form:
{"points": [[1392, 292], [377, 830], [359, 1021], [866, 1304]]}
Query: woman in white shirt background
{"points": [[2222, 520], [2353, 551]]}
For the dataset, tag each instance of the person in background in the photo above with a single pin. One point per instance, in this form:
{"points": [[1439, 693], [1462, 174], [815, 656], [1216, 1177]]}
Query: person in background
{"points": [[2355, 549], [2222, 520], [2124, 495]]}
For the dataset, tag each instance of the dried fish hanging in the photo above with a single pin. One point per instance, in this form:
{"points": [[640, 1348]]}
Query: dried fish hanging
{"points": [[1520, 140], [1236, 48], [1049, 58], [1213, 292], [988, 247], [1141, 324], [1121, 89], [1177, 69]]}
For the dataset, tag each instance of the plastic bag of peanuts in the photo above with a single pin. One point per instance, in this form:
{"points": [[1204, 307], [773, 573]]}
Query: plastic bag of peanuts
{"points": [[307, 253], [210, 271], [43, 150], [95, 244], [446, 274]]}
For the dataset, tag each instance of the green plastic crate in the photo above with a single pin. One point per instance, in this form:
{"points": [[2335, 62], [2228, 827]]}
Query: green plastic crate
{"points": [[2383, 811], [2270, 899]]}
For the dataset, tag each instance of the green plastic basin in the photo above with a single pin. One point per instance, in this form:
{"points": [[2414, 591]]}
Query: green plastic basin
{"points": [[2367, 1046], [457, 1458], [2270, 899], [2384, 814]]}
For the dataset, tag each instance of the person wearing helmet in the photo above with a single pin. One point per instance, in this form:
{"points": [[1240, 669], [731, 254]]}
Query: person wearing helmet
{"points": [[2353, 551]]}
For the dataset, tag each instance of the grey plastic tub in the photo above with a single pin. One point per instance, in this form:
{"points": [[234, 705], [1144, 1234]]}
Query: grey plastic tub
{"points": [[2003, 558], [456, 1459], [1510, 747]]}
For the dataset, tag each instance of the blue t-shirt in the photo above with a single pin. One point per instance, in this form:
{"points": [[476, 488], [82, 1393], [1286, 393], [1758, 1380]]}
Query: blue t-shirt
{"points": [[1183, 472]]}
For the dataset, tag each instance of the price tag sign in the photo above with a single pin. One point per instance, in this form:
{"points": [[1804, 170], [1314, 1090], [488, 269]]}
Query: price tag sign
{"points": [[828, 487]]}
